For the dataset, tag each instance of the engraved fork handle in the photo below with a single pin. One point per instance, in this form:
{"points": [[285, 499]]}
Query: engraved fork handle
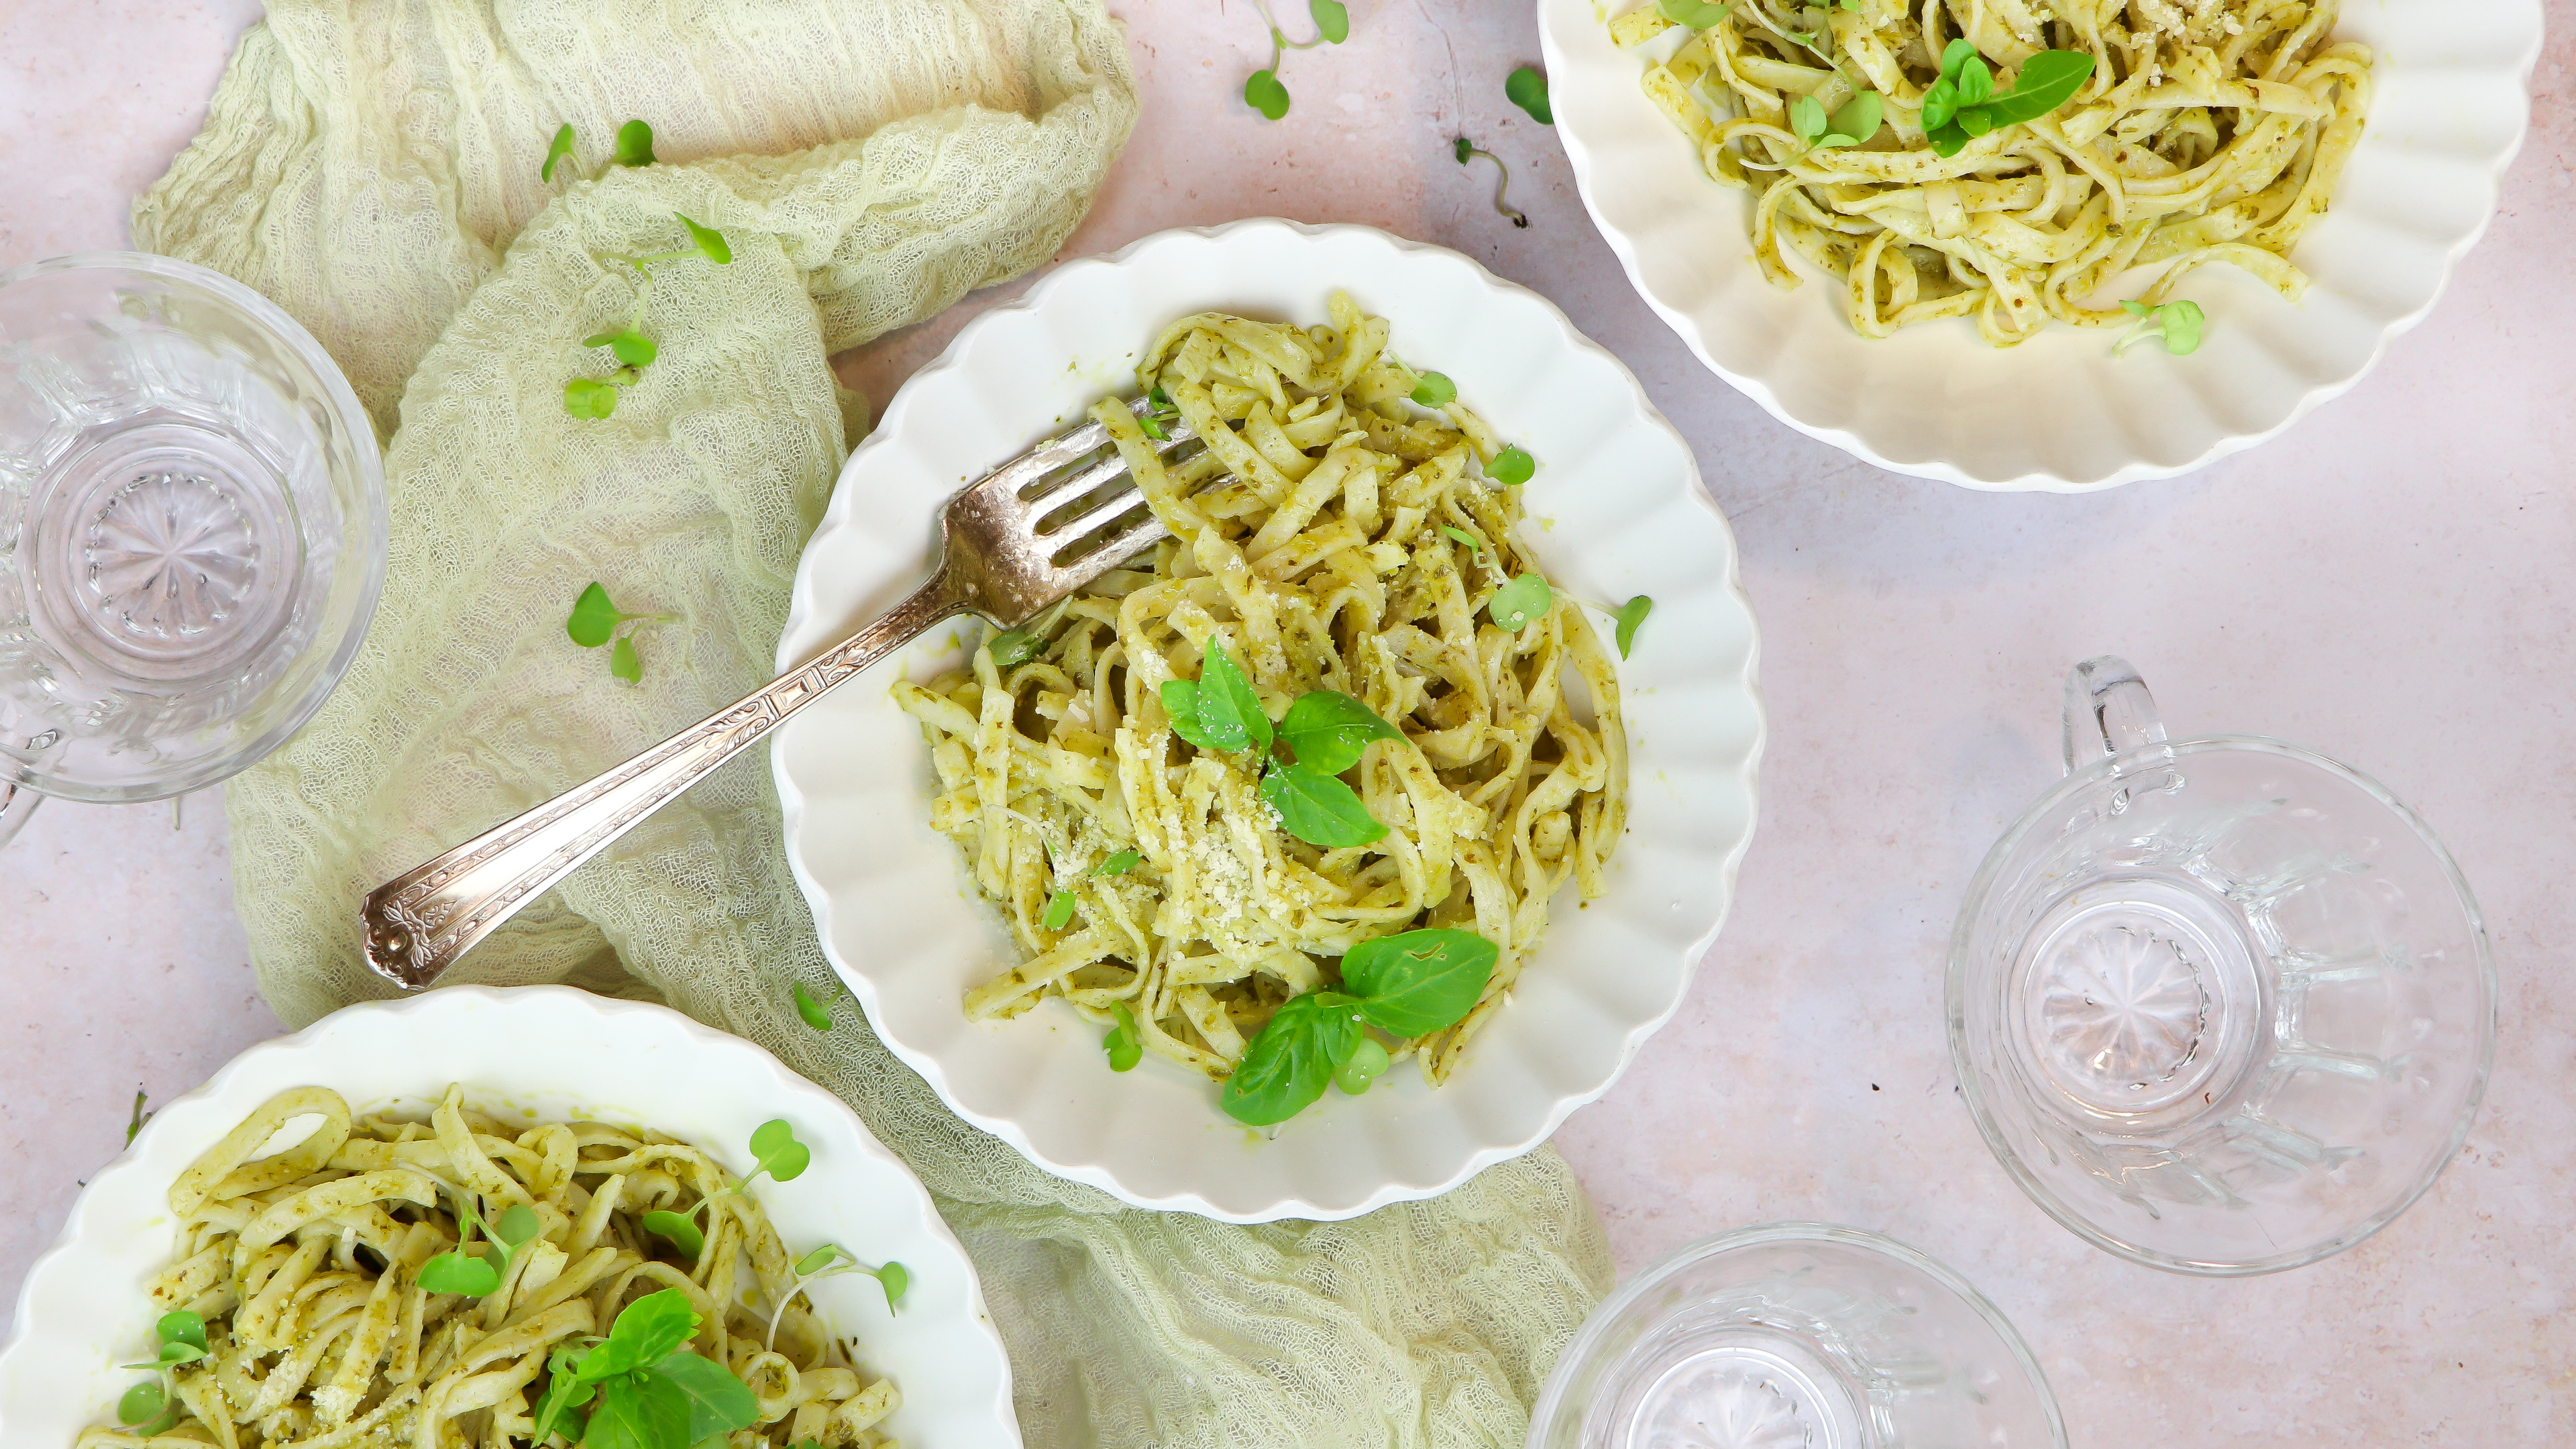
{"points": [[417, 924]]}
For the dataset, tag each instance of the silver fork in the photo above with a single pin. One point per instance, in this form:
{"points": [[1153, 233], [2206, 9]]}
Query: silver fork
{"points": [[1027, 535]]}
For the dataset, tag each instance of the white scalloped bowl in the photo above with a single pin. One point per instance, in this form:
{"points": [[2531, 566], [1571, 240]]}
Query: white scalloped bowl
{"points": [[546, 1053], [2058, 413], [1616, 510]]}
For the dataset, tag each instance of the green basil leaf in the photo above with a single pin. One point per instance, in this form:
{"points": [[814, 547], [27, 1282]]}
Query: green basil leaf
{"points": [[565, 1393], [1421, 981], [1263, 92], [635, 144], [718, 1402], [1435, 390], [1124, 1045], [1317, 808], [646, 1332], [1975, 81], [1949, 140], [1511, 467], [181, 1326], [1332, 21], [588, 397], [680, 1229], [1940, 103], [1955, 57], [1291, 1059], [1330, 730], [459, 1274], [1181, 702], [1630, 615], [1859, 118], [556, 153], [1527, 89], [1515, 604], [1230, 714], [710, 242], [638, 1411], [1973, 121], [2048, 80], [777, 1152]]}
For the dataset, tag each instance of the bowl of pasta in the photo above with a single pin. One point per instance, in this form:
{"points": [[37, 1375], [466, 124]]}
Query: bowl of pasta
{"points": [[1347, 840], [2016, 246], [504, 1217]]}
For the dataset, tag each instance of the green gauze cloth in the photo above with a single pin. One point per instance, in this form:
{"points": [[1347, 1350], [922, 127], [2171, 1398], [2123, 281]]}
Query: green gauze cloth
{"points": [[372, 165]]}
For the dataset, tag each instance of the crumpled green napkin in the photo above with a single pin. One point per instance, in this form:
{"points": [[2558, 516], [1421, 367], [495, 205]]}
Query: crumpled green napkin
{"points": [[372, 165]]}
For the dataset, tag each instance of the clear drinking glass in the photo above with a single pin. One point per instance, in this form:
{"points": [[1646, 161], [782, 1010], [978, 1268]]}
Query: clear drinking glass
{"points": [[192, 528], [2220, 1005], [1796, 1336]]}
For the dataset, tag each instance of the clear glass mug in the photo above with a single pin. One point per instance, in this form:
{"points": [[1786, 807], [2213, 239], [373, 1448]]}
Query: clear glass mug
{"points": [[2220, 1005], [1796, 1336], [192, 529]]}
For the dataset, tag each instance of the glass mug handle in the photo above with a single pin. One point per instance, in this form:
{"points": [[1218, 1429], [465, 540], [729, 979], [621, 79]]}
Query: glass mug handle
{"points": [[2108, 712]]}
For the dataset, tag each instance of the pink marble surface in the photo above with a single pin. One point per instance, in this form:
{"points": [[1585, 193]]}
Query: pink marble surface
{"points": [[2387, 583]]}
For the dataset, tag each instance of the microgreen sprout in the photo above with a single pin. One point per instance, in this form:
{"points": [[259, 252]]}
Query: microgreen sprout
{"points": [[1964, 104], [597, 620], [1262, 90], [831, 1261], [1435, 390], [1630, 615], [1467, 151], [774, 1150], [1853, 124], [1124, 1044], [1014, 647], [809, 1010], [1696, 14], [1059, 911], [151, 1407], [1155, 418], [134, 1123], [1511, 467], [634, 147], [1408, 985], [589, 397], [1527, 89], [2178, 322], [1475, 546], [472, 1276], [1515, 604]]}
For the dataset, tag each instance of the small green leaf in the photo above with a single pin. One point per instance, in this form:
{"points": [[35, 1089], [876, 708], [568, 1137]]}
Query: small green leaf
{"points": [[632, 348], [2047, 81], [1975, 82], [134, 1121], [2135, 308], [1630, 615], [566, 1392], [1332, 21], [2182, 323], [1317, 808], [1696, 14], [179, 1353], [518, 1226], [1435, 390], [1419, 982], [820, 1259], [1152, 426], [809, 1009], [777, 1152], [1807, 119], [1014, 647], [1059, 911], [1290, 1059], [680, 1229], [1511, 467], [1858, 119], [1475, 548], [624, 663], [1181, 702], [1940, 103], [1361, 1072], [141, 1404], [456, 1273], [635, 144], [710, 242], [1229, 712], [1527, 89], [1124, 1043], [181, 1326], [1515, 604], [1955, 57], [1330, 730], [586, 397], [894, 1280], [556, 153], [1263, 92], [1119, 864], [639, 1411], [1948, 140], [1466, 150], [647, 1331], [718, 1402]]}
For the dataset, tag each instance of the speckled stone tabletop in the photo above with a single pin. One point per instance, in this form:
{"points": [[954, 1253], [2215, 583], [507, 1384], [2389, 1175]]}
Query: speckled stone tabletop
{"points": [[2389, 583]]}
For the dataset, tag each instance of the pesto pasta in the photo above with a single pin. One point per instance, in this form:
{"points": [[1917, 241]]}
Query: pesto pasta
{"points": [[1331, 535], [306, 1268], [2206, 131]]}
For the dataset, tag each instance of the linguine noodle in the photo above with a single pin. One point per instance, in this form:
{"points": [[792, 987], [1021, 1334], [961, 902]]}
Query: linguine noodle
{"points": [[304, 1265], [1308, 539], [2209, 131]]}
